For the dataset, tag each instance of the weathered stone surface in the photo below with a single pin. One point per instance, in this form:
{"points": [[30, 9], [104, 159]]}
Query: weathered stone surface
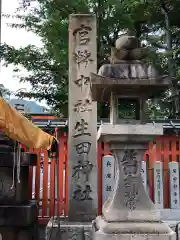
{"points": [[144, 175], [129, 213], [129, 132], [118, 55], [18, 215], [6, 144], [55, 232], [17, 194], [135, 236], [103, 86], [128, 42], [12, 191], [108, 175], [68, 230], [26, 233], [82, 119], [129, 201], [174, 184], [128, 227], [127, 47], [129, 70], [26, 159], [158, 185]]}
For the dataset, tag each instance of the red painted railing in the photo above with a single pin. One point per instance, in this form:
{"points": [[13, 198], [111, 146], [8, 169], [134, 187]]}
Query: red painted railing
{"points": [[42, 185]]}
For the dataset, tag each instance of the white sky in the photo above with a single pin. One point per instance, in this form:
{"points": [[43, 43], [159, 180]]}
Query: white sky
{"points": [[17, 38]]}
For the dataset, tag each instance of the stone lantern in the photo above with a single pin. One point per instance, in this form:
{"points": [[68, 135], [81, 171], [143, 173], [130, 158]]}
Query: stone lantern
{"points": [[126, 83]]}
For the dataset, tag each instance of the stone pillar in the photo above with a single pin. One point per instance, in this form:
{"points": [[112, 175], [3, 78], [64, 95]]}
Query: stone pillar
{"points": [[174, 185], [108, 176], [144, 174], [130, 201], [113, 109], [158, 185], [82, 143]]}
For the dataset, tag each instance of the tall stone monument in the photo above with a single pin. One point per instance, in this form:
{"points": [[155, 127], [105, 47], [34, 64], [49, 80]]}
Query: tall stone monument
{"points": [[82, 119], [127, 82], [82, 127]]}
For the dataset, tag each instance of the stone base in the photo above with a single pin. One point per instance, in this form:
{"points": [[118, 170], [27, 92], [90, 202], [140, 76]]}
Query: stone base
{"points": [[103, 230], [19, 215], [134, 236], [84, 231], [65, 230], [26, 233]]}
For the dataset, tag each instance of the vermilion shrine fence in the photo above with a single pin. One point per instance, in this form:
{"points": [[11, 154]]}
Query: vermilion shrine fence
{"points": [[42, 181]]}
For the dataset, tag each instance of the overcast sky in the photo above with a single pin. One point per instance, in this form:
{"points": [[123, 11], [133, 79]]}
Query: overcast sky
{"points": [[17, 38]]}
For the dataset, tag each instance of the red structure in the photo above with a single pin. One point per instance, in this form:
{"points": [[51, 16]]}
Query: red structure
{"points": [[167, 150], [164, 149]]}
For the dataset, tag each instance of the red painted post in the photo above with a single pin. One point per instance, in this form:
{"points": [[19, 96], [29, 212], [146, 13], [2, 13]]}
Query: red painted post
{"points": [[66, 177], [61, 172], [45, 184], [52, 186]]}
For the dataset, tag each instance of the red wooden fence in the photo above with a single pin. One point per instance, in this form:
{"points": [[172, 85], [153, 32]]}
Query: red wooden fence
{"points": [[167, 149]]}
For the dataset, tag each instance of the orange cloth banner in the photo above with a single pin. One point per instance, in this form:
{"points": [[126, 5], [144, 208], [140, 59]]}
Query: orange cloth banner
{"points": [[19, 128]]}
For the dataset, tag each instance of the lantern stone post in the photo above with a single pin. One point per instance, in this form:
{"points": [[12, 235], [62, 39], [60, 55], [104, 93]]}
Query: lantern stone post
{"points": [[127, 82]]}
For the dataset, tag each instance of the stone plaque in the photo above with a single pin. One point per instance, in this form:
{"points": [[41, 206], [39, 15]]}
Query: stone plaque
{"points": [[144, 174], [108, 176], [158, 185], [82, 119], [174, 184], [130, 167]]}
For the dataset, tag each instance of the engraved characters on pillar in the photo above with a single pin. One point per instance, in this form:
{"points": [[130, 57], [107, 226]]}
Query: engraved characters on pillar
{"points": [[83, 57], [158, 185], [82, 81], [131, 170], [82, 194], [82, 168], [81, 129], [82, 54], [83, 106], [82, 34], [175, 187]]}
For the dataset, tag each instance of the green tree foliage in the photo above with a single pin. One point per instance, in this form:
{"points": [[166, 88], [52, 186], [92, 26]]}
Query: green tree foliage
{"points": [[4, 92], [156, 21]]}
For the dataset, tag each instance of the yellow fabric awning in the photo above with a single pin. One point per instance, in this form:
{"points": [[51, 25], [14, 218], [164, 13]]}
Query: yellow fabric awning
{"points": [[19, 128]]}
